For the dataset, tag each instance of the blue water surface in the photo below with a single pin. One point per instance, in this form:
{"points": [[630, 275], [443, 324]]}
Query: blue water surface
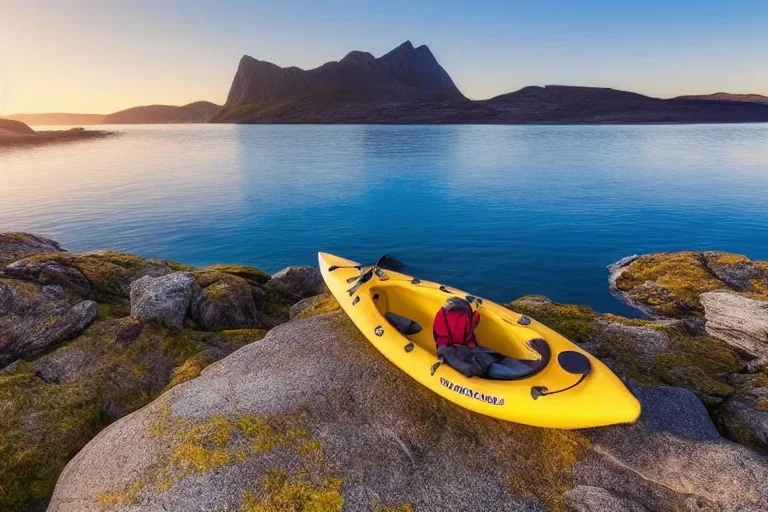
{"points": [[501, 211]]}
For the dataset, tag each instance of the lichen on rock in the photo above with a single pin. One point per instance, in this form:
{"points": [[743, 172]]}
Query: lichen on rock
{"points": [[669, 284], [17, 245]]}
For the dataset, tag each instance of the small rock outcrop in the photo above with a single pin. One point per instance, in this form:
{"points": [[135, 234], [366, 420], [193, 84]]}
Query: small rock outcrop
{"points": [[740, 321], [314, 409], [165, 298], [224, 301], [17, 245], [298, 282], [669, 284], [35, 318], [104, 276], [674, 458], [744, 417]]}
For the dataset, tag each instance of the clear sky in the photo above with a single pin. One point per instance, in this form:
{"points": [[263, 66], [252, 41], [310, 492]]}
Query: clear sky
{"points": [[99, 57]]}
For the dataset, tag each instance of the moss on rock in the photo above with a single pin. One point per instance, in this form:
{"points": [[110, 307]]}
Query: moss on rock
{"points": [[670, 283], [245, 271], [573, 321], [283, 493], [325, 303], [44, 423]]}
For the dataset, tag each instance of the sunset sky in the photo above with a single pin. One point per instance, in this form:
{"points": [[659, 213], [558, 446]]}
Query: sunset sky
{"points": [[99, 57]]}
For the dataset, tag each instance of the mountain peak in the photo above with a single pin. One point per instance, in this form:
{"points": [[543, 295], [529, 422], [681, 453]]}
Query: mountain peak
{"points": [[405, 74]]}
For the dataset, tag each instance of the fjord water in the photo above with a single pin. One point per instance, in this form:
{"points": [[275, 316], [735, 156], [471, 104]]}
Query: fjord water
{"points": [[501, 211]]}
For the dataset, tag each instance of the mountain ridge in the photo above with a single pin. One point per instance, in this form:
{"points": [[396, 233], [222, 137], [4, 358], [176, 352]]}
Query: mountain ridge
{"points": [[408, 85]]}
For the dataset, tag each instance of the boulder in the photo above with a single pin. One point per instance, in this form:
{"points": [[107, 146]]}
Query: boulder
{"points": [[744, 417], [298, 282], [33, 320], [315, 413], [165, 298], [224, 301], [50, 272], [16, 245], [647, 343], [739, 321], [673, 458], [315, 305]]}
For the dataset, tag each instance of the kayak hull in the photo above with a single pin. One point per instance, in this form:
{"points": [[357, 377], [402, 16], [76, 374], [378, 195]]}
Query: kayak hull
{"points": [[601, 399]]}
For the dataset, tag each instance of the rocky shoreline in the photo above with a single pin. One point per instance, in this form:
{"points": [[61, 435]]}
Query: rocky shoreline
{"points": [[159, 386]]}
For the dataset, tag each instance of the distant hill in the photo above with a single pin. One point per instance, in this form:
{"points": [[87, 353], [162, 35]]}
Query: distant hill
{"points": [[11, 127], [58, 119], [198, 112], [408, 85], [572, 104], [725, 96], [262, 90]]}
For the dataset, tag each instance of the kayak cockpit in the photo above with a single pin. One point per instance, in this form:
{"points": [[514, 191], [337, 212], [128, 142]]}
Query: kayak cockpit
{"points": [[411, 307]]}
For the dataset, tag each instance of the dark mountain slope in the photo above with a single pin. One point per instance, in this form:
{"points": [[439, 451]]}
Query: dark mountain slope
{"points": [[405, 75], [198, 112], [725, 96], [408, 85]]}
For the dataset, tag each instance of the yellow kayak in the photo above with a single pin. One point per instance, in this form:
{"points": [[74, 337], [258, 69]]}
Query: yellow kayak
{"points": [[566, 388]]}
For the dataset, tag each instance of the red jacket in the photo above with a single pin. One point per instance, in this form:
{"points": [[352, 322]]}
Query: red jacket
{"points": [[455, 327]]}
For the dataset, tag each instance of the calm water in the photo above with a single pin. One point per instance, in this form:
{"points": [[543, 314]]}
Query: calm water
{"points": [[499, 210]]}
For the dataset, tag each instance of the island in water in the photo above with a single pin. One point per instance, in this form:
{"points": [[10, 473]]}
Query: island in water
{"points": [[18, 134], [145, 384]]}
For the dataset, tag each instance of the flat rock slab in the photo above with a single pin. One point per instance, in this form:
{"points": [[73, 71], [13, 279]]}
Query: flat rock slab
{"points": [[739, 321], [315, 406]]}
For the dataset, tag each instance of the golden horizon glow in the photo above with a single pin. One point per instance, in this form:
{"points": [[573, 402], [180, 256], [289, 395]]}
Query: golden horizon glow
{"points": [[86, 57]]}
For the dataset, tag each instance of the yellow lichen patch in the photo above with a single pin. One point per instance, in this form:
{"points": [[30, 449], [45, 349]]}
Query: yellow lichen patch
{"points": [[281, 493], [312, 451], [762, 405], [729, 259], [243, 336], [379, 505], [203, 446], [188, 370], [244, 271], [326, 303], [114, 499], [677, 279], [261, 435], [759, 289]]}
